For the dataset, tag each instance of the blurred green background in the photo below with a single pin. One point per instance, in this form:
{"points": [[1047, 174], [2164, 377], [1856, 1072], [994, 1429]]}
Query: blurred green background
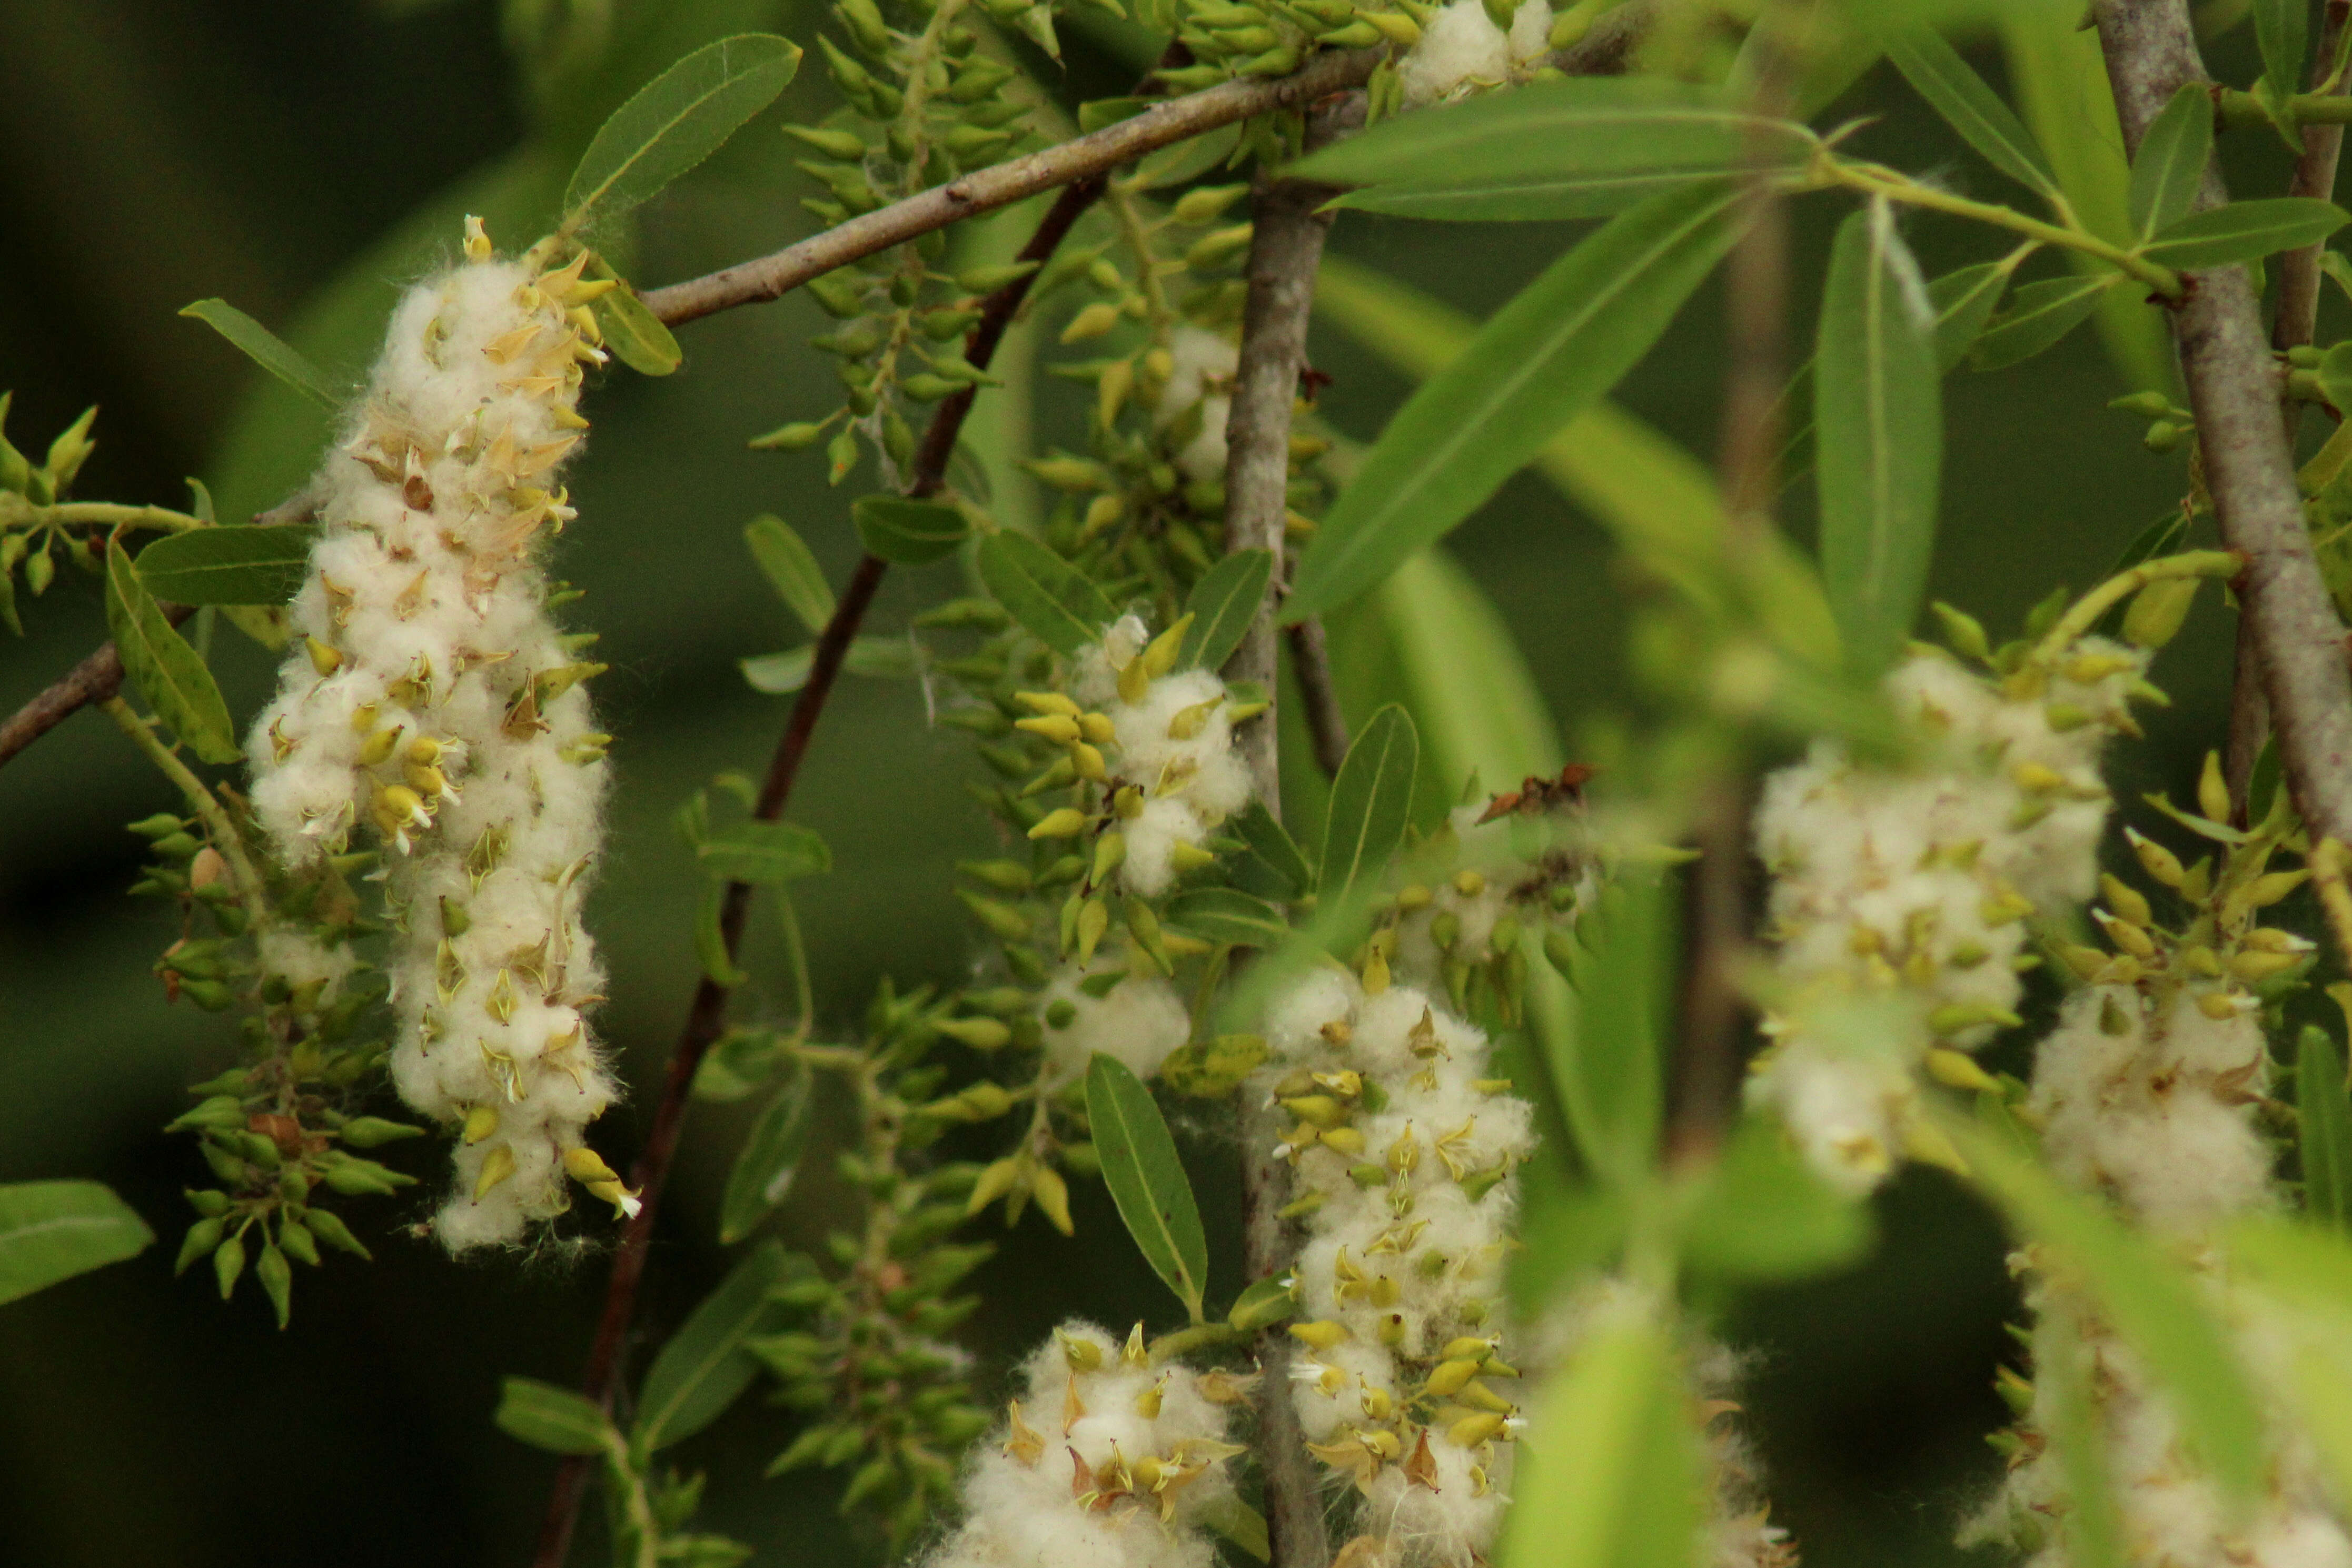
{"points": [[304, 157]]}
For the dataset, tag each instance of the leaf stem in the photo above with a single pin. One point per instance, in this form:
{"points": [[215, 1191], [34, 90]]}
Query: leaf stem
{"points": [[2087, 611], [1878, 180], [222, 832]]}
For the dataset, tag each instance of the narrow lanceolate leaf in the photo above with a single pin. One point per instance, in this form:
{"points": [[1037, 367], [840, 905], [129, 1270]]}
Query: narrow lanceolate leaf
{"points": [[2151, 1302], [2171, 161], [2039, 314], [552, 1418], [1543, 358], [1145, 1178], [907, 533], [792, 568], [238, 565], [1610, 1066], [1579, 148], [1879, 442], [1228, 915], [2282, 31], [2241, 231], [704, 1366], [51, 1231], [1965, 300], [675, 121], [264, 348], [1937, 73], [1611, 1475], [1222, 604], [1370, 801], [769, 1158], [1051, 599], [2324, 1128], [765, 854], [1271, 846], [163, 666], [779, 674], [635, 335]]}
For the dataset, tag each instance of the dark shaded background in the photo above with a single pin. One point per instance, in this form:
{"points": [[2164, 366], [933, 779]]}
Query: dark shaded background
{"points": [[293, 156]]}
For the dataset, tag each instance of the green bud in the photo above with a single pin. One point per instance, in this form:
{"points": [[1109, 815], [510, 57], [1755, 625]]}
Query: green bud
{"points": [[790, 437], [1217, 248], [2157, 611], [989, 279], [368, 1131], [1963, 631], [2147, 404], [228, 1262], [276, 1279], [846, 145], [203, 1237]]}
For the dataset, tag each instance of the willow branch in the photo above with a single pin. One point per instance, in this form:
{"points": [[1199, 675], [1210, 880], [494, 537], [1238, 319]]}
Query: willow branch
{"points": [[706, 1018], [2234, 387], [100, 677], [1319, 698], [1601, 52], [1285, 248], [2291, 327]]}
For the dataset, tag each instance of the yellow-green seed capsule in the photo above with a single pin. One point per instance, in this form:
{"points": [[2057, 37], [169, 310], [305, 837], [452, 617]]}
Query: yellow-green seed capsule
{"points": [[1062, 728], [324, 659], [1110, 850], [2255, 967], [2156, 860], [2157, 611], [377, 747], [2213, 790], [2127, 899], [497, 1166], [1958, 1070], [480, 1123], [1065, 822], [1322, 1336], [1046, 702]]}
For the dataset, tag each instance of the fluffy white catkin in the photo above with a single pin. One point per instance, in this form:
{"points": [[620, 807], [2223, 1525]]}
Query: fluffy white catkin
{"points": [[1404, 1150], [1900, 893], [1461, 51], [1108, 1458], [429, 699], [2146, 1093]]}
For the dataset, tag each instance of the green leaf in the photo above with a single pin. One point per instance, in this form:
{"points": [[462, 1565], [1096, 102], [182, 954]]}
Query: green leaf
{"points": [[2324, 1128], [791, 567], [765, 854], [1543, 358], [2151, 1302], [1370, 801], [552, 1418], [2039, 314], [1584, 147], [2093, 1531], [1240, 1524], [1145, 1178], [1222, 604], [1610, 1477], [264, 348], [1937, 73], [1879, 437], [2308, 1272], [163, 666], [1050, 597], [635, 335], [2241, 231], [771, 1156], [780, 674], [1212, 1067], [1964, 301], [711, 938], [1761, 1214], [675, 121], [238, 565], [2171, 161], [1475, 704], [51, 1231], [1609, 1065], [1227, 915], [907, 533], [2281, 30], [1271, 846], [704, 1366], [1655, 498], [2058, 79]]}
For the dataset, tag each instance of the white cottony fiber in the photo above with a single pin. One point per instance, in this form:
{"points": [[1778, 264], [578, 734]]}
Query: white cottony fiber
{"points": [[429, 699]]}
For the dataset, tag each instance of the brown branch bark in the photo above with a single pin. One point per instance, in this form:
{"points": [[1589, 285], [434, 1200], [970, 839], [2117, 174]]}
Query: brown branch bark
{"points": [[2234, 388], [2299, 279], [707, 1017], [1285, 249], [1310, 660]]}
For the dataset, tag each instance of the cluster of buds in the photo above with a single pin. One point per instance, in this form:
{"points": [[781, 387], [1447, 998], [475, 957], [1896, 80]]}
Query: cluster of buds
{"points": [[273, 1134], [2147, 1088], [30, 538], [922, 104], [888, 1398], [1518, 865], [1902, 890], [1403, 1152], [429, 697], [1110, 1455]]}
